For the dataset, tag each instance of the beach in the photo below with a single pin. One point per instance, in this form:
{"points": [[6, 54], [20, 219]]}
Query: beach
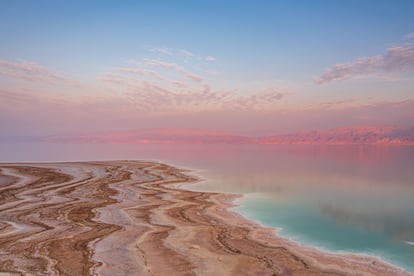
{"points": [[132, 218]]}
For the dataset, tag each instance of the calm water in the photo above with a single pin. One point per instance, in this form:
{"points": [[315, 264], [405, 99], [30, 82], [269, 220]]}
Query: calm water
{"points": [[340, 198]]}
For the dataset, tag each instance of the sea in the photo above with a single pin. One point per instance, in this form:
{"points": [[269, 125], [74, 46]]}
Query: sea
{"points": [[339, 198]]}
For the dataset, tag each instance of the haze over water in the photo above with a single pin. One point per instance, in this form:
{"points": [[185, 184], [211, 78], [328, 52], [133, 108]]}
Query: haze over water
{"points": [[340, 198]]}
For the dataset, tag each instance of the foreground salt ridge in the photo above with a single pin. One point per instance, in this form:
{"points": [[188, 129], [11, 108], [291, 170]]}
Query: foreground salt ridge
{"points": [[128, 217]]}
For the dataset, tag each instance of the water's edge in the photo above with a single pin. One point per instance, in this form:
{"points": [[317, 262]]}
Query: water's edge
{"points": [[238, 206], [281, 232]]}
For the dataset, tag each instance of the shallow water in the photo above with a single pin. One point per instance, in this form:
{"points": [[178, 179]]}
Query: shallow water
{"points": [[341, 198]]}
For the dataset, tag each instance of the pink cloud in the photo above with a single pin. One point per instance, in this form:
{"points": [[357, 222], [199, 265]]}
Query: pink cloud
{"points": [[337, 104], [180, 84], [178, 68], [152, 106], [160, 63], [150, 96], [192, 76], [396, 59], [15, 98], [260, 100], [165, 95], [141, 72], [30, 71], [120, 79]]}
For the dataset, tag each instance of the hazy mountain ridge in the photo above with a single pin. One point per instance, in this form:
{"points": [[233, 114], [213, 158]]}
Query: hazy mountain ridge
{"points": [[394, 135], [155, 136], [346, 135]]}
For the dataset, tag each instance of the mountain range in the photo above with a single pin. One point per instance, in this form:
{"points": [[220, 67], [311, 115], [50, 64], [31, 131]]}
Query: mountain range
{"points": [[393, 135]]}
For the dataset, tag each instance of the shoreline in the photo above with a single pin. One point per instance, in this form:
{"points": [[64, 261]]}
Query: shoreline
{"points": [[270, 235], [309, 245], [233, 203], [110, 217]]}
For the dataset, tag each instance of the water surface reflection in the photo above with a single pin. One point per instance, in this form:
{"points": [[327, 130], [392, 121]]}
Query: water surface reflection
{"points": [[346, 198]]}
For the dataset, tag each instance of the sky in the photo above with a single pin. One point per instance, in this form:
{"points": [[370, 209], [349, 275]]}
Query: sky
{"points": [[247, 67]]}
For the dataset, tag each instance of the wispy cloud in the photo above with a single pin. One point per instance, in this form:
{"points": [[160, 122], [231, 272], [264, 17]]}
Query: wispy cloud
{"points": [[30, 71], [161, 63], [163, 51], [117, 78], [178, 68], [179, 84], [152, 95], [260, 100], [210, 58], [192, 76], [182, 54], [396, 59], [409, 36], [188, 93], [345, 103], [187, 54], [138, 71], [14, 98], [149, 86], [153, 70]]}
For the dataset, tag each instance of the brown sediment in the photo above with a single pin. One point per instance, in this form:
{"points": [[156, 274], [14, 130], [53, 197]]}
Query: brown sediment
{"points": [[128, 218]]}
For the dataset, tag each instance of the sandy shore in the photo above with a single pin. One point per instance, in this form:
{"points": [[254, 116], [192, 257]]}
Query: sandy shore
{"points": [[129, 218]]}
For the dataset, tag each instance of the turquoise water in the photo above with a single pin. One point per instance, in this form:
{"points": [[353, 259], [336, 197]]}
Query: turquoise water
{"points": [[340, 198], [312, 226]]}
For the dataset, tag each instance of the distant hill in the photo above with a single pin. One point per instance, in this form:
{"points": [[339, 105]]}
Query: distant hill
{"points": [[387, 135], [346, 135], [155, 136]]}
